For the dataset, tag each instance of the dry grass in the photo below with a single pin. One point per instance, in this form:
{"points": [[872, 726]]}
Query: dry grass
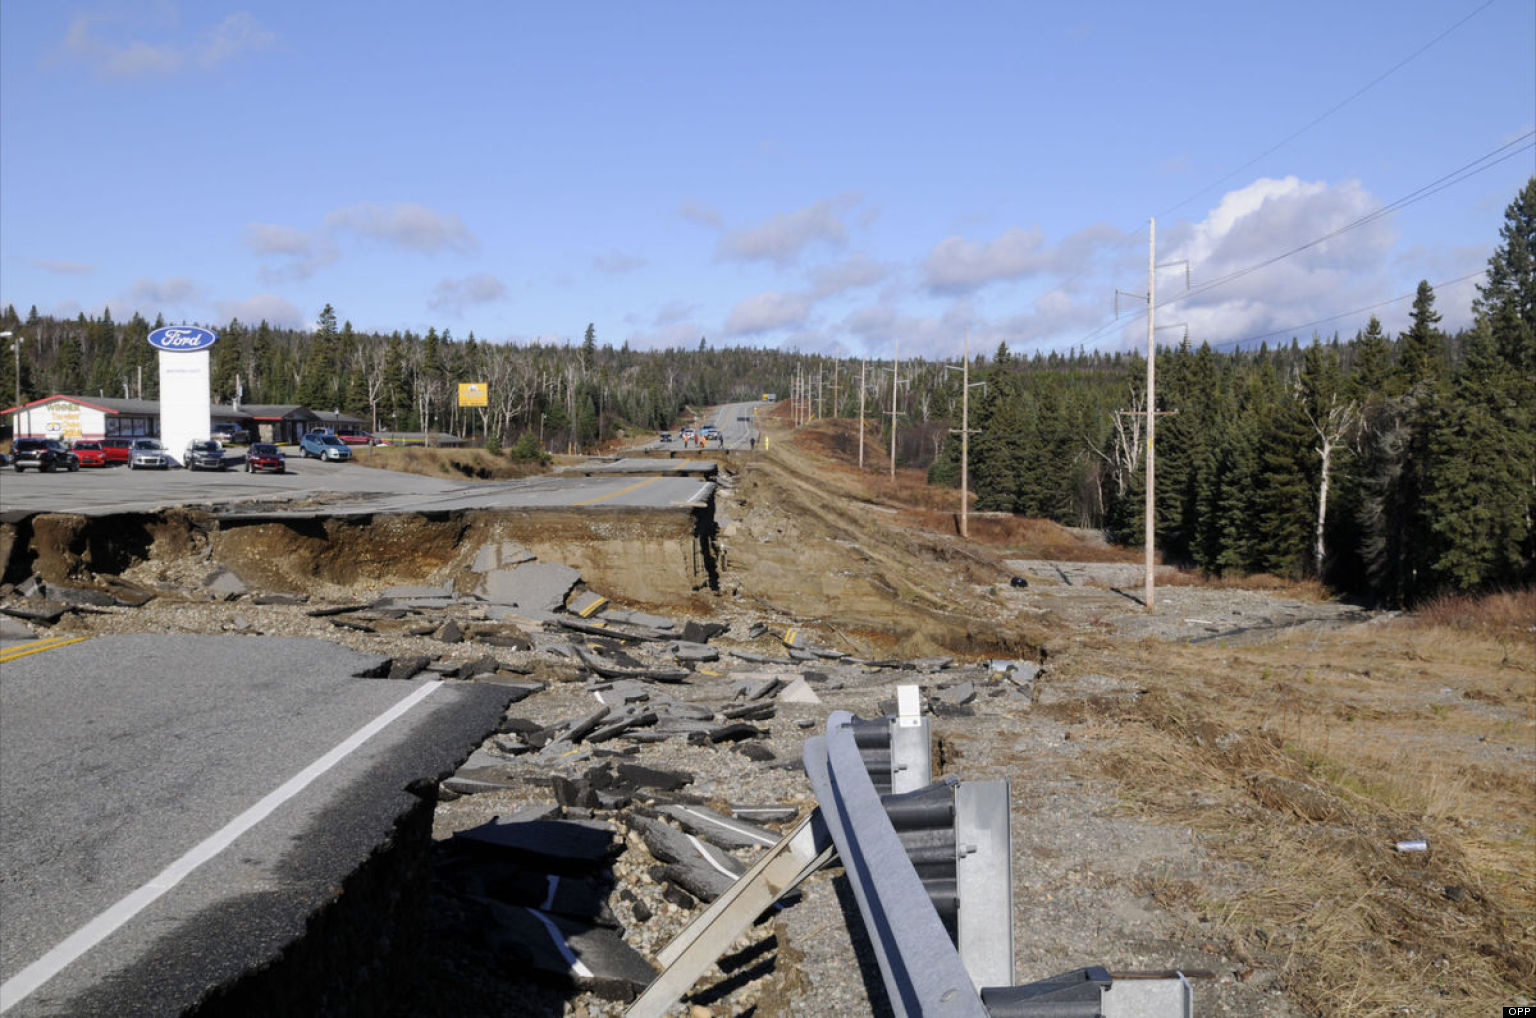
{"points": [[472, 464], [1301, 762], [1306, 761], [1510, 612]]}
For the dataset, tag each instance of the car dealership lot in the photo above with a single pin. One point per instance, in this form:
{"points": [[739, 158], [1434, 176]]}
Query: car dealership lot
{"points": [[310, 487], [118, 489]]}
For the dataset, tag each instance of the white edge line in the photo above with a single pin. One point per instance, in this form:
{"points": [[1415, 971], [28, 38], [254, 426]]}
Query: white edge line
{"points": [[709, 857], [25, 982], [735, 828], [560, 944]]}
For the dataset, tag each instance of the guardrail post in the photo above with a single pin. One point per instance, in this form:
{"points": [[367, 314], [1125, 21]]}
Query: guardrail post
{"points": [[984, 881], [911, 756]]}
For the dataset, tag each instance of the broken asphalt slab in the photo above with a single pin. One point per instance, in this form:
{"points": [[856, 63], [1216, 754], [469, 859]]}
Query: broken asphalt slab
{"points": [[247, 715]]}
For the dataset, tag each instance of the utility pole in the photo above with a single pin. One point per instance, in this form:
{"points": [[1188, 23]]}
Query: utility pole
{"points": [[1151, 398], [965, 435], [895, 388], [863, 372], [1152, 413]]}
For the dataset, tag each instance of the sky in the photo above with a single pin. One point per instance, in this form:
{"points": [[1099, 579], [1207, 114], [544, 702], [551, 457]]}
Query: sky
{"points": [[848, 178]]}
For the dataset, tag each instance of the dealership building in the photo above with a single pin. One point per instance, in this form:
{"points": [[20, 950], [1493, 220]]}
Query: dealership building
{"points": [[75, 417]]}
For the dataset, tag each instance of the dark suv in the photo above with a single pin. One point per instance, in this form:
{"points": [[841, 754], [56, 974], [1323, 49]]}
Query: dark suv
{"points": [[204, 455], [45, 454]]}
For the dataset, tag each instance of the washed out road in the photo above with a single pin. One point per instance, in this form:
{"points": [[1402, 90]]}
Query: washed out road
{"points": [[164, 792]]}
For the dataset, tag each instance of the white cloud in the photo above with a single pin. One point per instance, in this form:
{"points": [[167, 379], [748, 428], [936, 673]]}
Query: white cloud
{"points": [[264, 307], [456, 294], [1241, 285], [164, 292], [703, 215], [101, 40], [854, 273], [270, 238], [236, 34], [63, 268], [404, 224], [617, 263], [677, 335], [956, 264], [782, 237], [674, 312], [764, 312]]}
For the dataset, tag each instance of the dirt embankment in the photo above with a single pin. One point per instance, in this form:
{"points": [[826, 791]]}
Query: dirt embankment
{"points": [[664, 557]]}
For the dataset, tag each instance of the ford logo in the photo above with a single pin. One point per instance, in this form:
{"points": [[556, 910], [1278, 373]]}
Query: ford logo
{"points": [[182, 339]]}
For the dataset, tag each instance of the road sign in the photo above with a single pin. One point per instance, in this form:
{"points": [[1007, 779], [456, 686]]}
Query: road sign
{"points": [[182, 339]]}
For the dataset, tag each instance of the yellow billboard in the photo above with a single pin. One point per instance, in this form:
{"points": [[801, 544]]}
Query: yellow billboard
{"points": [[474, 394]]}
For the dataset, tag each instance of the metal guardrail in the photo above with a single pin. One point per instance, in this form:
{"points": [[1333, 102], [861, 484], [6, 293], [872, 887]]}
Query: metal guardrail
{"points": [[930, 868]]}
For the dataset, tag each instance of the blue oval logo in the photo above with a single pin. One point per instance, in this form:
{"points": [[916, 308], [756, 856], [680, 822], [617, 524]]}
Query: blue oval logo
{"points": [[182, 339]]}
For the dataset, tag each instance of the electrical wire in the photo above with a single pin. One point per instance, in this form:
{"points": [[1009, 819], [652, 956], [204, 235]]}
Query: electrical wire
{"points": [[1233, 344], [1329, 112], [1131, 237], [1478, 165], [1484, 162]]}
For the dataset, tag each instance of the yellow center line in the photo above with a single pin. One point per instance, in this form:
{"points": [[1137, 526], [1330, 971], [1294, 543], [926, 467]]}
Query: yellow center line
{"points": [[38, 648], [621, 491]]}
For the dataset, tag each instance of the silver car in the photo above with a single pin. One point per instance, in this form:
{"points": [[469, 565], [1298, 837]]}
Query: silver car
{"points": [[148, 454]]}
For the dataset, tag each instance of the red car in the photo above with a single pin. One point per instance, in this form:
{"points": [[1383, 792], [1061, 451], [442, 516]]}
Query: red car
{"points": [[116, 450], [265, 456], [90, 453], [356, 437]]}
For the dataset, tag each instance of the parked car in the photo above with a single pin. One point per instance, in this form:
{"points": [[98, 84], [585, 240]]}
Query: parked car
{"points": [[230, 434], [204, 455], [323, 445], [90, 453], [117, 450], [356, 436], [148, 454], [44, 454], [265, 456]]}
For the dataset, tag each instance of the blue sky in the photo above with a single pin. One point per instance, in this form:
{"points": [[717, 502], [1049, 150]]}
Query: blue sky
{"points": [[831, 177]]}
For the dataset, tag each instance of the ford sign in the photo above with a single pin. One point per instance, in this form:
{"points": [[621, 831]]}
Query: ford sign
{"points": [[182, 339]]}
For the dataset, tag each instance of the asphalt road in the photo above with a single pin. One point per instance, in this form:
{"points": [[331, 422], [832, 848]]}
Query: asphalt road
{"points": [[152, 796], [735, 422], [348, 487]]}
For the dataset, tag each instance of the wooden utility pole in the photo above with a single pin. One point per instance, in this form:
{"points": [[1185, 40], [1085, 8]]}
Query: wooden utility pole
{"points": [[965, 435], [863, 373], [1148, 512], [895, 383], [1151, 397]]}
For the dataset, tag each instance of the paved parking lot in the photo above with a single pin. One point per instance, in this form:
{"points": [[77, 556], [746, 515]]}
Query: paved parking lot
{"points": [[345, 487], [94, 490]]}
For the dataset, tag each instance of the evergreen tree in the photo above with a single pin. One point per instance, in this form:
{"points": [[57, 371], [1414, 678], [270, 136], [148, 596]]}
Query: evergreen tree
{"points": [[1477, 503], [1423, 345]]}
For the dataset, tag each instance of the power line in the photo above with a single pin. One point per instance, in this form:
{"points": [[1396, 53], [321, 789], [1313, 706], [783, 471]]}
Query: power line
{"points": [[1329, 112], [1484, 162], [1488, 161], [1130, 238], [1233, 344]]}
